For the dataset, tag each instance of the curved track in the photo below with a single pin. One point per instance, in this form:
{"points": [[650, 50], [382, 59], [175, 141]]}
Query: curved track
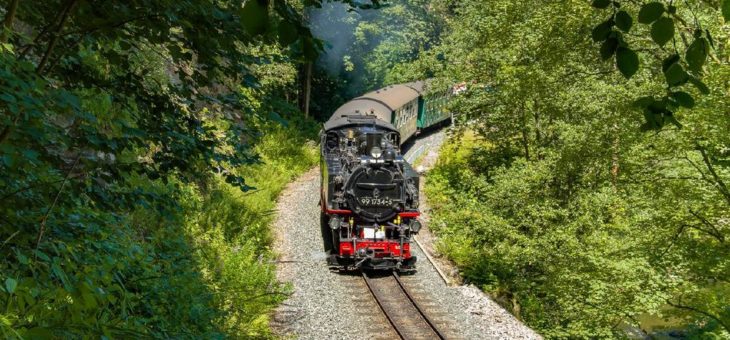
{"points": [[403, 312], [326, 305]]}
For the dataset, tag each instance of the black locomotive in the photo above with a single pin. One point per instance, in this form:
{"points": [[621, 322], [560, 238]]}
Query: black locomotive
{"points": [[369, 193]]}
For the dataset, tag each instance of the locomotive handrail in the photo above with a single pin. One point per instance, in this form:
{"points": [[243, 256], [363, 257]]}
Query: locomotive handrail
{"points": [[376, 185]]}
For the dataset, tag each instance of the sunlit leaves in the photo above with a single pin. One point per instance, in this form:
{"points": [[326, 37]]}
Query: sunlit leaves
{"points": [[662, 30], [680, 57], [140, 102], [591, 105], [627, 61], [650, 12]]}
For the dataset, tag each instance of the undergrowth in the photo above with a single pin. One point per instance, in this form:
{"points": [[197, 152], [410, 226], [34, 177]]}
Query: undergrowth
{"points": [[231, 230], [189, 259], [570, 264]]}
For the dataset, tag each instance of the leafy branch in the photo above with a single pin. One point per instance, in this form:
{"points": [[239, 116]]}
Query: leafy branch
{"points": [[677, 70], [697, 310]]}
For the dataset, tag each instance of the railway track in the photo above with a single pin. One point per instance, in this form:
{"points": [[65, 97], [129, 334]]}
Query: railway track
{"points": [[400, 308]]}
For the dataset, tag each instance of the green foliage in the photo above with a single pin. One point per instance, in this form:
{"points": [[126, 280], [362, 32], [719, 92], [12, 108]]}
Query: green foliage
{"points": [[627, 61], [365, 46], [650, 12], [662, 31], [624, 21], [128, 133], [697, 54], [192, 262], [552, 199], [671, 23], [231, 232]]}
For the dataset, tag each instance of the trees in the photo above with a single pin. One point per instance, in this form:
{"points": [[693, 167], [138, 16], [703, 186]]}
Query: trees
{"points": [[573, 217], [114, 114], [689, 26], [363, 47]]}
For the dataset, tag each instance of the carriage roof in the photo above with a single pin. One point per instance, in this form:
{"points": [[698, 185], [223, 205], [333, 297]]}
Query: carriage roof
{"points": [[393, 96], [357, 120]]}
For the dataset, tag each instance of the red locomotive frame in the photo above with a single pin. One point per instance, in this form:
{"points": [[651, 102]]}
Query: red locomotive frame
{"points": [[380, 253]]}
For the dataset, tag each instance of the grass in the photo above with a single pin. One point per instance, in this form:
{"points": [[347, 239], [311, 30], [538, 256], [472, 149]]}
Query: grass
{"points": [[231, 232]]}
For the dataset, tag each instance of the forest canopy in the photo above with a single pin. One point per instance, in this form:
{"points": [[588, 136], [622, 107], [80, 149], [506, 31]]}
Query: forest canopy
{"points": [[128, 133], [587, 190]]}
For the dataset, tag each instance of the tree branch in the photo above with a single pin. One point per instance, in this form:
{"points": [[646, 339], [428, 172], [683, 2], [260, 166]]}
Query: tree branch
{"points": [[674, 239], [54, 39], [702, 173], [707, 314], [27, 188], [42, 229], [715, 232], [718, 181]]}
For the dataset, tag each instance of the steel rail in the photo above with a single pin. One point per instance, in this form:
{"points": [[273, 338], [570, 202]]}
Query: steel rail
{"points": [[418, 307], [402, 330]]}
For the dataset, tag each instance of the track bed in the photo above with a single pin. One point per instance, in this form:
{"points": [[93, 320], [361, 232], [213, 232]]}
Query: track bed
{"points": [[403, 312]]}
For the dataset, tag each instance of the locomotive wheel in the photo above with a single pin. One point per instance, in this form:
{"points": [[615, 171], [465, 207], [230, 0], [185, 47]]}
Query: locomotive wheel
{"points": [[327, 237]]}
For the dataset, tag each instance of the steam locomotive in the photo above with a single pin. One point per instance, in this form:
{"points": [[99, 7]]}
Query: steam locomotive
{"points": [[369, 192]]}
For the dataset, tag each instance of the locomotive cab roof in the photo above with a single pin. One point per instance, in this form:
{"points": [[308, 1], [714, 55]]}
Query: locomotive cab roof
{"points": [[357, 120]]}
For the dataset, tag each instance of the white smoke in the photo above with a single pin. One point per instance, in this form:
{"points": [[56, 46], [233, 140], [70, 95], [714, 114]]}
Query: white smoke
{"points": [[335, 25]]}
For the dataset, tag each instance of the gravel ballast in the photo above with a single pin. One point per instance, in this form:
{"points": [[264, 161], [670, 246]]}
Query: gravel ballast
{"points": [[328, 305]]}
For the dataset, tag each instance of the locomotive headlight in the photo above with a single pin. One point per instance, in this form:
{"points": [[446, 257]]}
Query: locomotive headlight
{"points": [[389, 155], [335, 223], [376, 152], [415, 226]]}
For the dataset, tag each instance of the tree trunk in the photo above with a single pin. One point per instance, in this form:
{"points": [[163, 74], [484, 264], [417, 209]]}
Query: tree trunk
{"points": [[526, 143], [307, 85], [525, 134], [615, 156], [538, 132], [9, 19]]}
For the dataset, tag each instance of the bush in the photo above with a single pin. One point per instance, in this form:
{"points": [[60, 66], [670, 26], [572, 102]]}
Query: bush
{"points": [[567, 266], [186, 261]]}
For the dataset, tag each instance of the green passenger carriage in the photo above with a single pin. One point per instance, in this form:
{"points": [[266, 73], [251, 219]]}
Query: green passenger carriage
{"points": [[409, 107]]}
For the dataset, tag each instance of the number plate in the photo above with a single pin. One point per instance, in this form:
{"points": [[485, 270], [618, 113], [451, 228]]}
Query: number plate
{"points": [[375, 202]]}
